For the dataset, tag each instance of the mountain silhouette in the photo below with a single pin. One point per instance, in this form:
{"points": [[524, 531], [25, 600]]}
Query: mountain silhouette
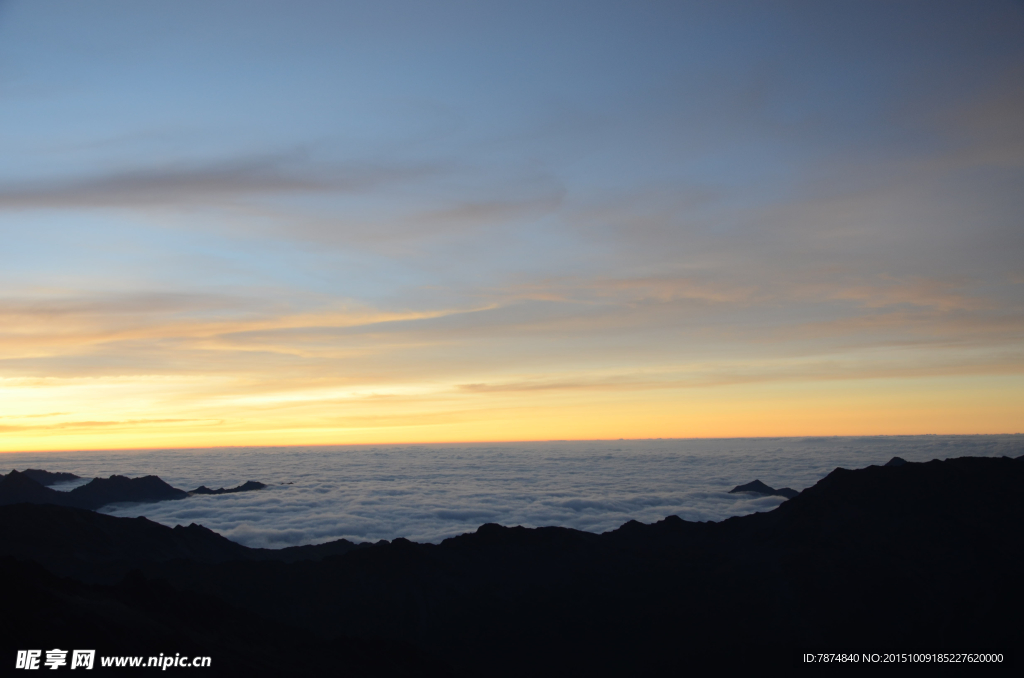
{"points": [[248, 486], [19, 487], [757, 487]]}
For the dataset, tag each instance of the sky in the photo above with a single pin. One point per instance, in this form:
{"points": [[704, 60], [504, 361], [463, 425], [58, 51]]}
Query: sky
{"points": [[264, 223]]}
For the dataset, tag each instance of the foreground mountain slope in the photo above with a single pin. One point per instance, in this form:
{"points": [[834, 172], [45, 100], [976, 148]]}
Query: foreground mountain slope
{"points": [[140, 618], [98, 548]]}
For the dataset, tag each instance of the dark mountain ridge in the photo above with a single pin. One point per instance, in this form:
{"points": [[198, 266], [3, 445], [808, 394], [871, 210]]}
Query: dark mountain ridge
{"points": [[99, 548], [916, 557], [18, 488], [248, 486], [757, 487], [46, 478], [31, 486]]}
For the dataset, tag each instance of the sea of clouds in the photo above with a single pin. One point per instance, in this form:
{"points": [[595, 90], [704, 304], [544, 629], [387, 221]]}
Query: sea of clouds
{"points": [[429, 492]]}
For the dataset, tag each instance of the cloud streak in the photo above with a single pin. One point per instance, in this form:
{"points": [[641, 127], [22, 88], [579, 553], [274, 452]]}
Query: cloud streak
{"points": [[183, 184], [75, 425]]}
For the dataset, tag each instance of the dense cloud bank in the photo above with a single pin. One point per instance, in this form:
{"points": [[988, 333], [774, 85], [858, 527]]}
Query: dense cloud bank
{"points": [[429, 492]]}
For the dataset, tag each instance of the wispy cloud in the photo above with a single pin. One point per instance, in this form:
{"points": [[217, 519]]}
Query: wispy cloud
{"points": [[213, 320], [985, 130], [182, 184], [36, 416], [124, 424], [600, 289], [401, 222]]}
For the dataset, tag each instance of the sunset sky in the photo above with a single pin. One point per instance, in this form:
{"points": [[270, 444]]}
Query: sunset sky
{"points": [[285, 223]]}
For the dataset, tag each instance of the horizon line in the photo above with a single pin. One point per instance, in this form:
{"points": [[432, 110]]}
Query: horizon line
{"points": [[509, 442]]}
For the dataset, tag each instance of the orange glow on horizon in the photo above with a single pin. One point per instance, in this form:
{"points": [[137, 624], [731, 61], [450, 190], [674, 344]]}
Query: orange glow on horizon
{"points": [[938, 405]]}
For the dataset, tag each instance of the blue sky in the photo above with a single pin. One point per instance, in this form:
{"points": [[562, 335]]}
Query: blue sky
{"points": [[424, 221]]}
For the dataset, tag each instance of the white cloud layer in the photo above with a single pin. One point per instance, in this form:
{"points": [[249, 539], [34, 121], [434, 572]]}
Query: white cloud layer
{"points": [[429, 492]]}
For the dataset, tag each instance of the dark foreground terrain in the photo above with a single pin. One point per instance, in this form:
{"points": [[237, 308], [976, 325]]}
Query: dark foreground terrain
{"points": [[909, 558]]}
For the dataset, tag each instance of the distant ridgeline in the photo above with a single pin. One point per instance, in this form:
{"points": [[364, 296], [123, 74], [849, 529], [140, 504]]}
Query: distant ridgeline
{"points": [[244, 487], [757, 487], [32, 486], [908, 558]]}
